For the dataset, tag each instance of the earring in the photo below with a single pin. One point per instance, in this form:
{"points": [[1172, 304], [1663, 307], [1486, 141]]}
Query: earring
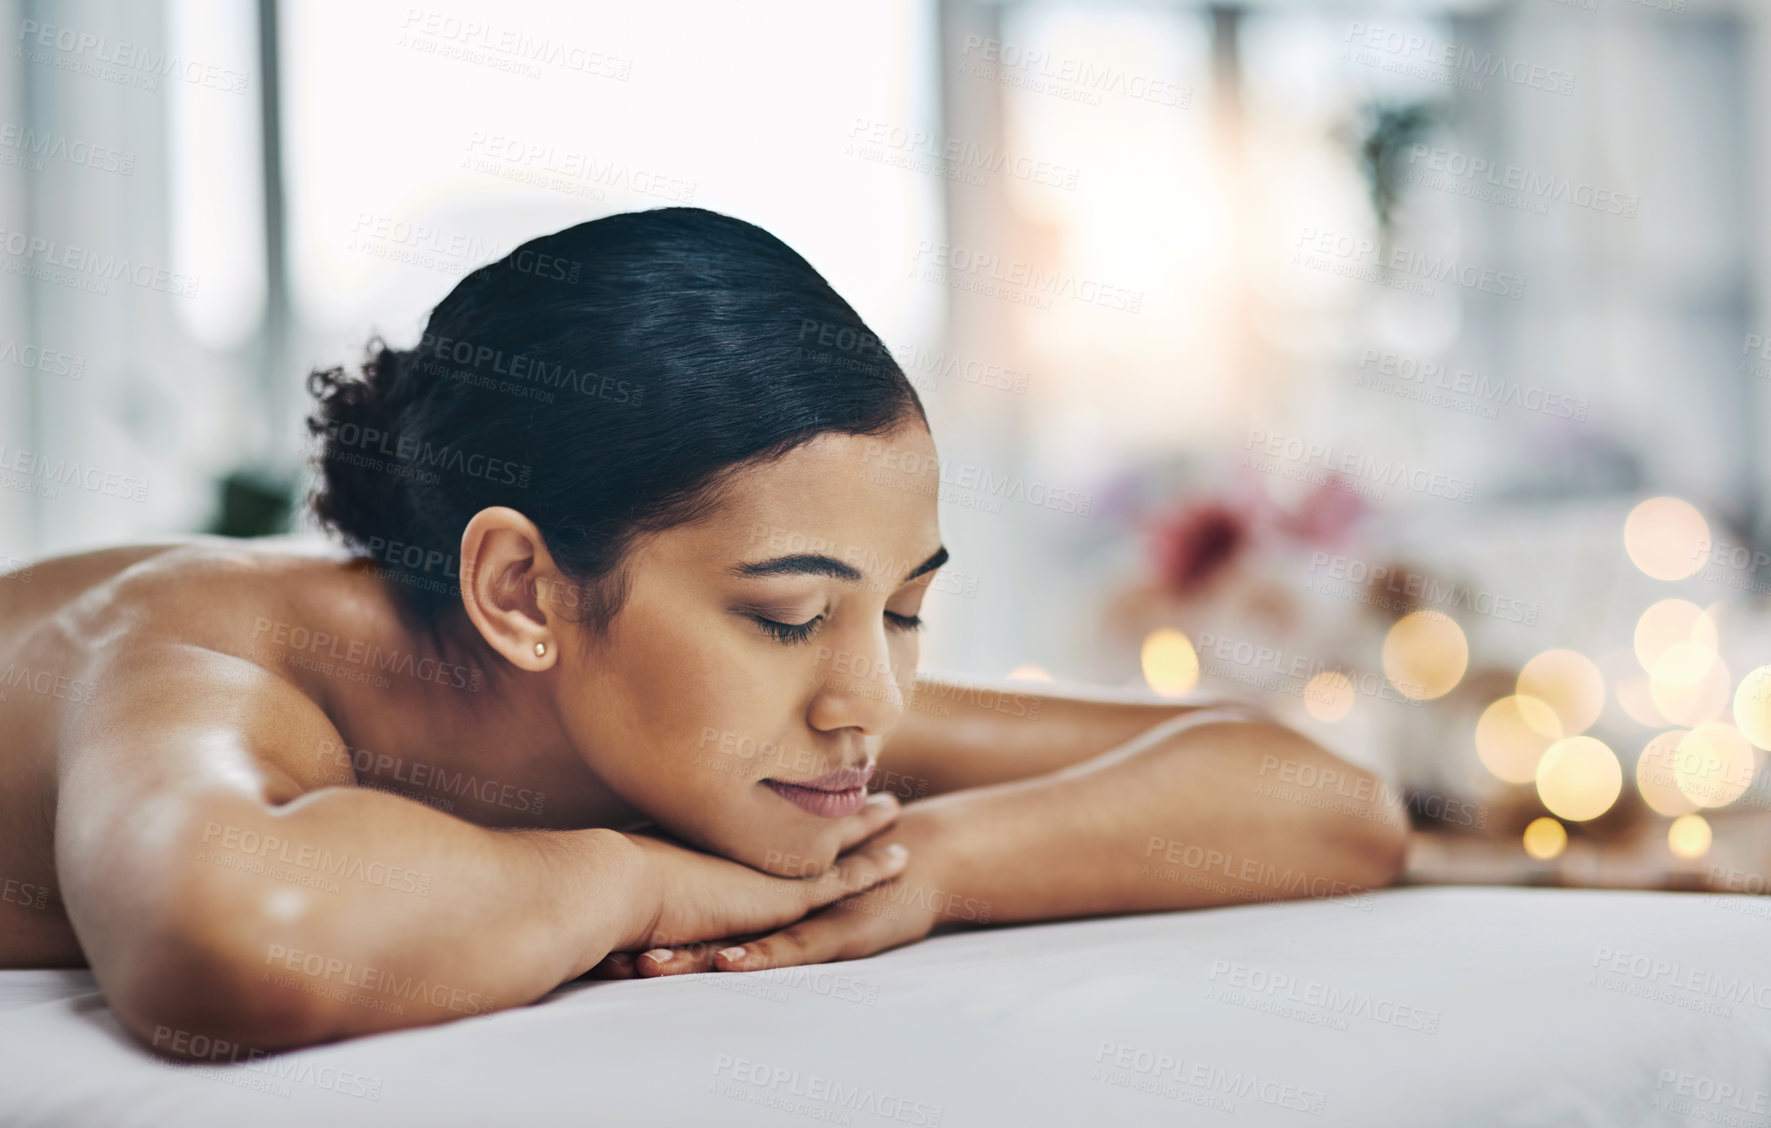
{"points": [[541, 650]]}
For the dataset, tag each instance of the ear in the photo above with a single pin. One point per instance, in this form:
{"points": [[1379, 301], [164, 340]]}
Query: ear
{"points": [[504, 564]]}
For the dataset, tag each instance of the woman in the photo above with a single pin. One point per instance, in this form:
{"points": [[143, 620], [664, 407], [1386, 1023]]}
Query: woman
{"points": [[622, 637]]}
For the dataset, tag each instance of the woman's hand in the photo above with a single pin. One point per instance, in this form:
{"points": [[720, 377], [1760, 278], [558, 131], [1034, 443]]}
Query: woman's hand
{"points": [[702, 897], [893, 913]]}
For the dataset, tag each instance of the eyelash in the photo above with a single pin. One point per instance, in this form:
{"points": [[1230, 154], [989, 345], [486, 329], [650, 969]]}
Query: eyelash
{"points": [[795, 633]]}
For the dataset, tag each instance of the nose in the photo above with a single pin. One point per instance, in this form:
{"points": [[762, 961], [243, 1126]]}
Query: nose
{"points": [[856, 689]]}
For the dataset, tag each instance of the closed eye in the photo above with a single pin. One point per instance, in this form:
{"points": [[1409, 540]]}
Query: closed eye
{"points": [[790, 633], [904, 622]]}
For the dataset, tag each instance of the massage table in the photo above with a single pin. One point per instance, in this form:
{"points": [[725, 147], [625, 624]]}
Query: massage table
{"points": [[1420, 1005]]}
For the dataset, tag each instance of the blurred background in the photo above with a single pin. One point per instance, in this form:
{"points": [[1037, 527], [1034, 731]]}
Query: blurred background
{"points": [[1402, 367]]}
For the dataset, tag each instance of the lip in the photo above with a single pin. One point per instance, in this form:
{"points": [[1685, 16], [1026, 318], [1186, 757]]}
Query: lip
{"points": [[832, 795]]}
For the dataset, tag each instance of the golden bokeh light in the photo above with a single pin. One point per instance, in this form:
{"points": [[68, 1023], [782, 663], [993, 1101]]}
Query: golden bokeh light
{"points": [[1655, 777], [1568, 682], [1669, 622], [1636, 694], [1425, 654], [1329, 696], [1579, 778], [1689, 684], [1513, 734], [1027, 671], [1689, 837], [1752, 706], [1545, 838], [1171, 665], [1714, 764], [1667, 538]]}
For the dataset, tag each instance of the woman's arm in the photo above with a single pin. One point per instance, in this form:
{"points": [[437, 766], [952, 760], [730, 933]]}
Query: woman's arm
{"points": [[958, 734], [233, 891], [1201, 809]]}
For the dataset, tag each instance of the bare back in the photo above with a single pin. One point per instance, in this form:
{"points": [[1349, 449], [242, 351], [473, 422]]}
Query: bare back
{"points": [[58, 620]]}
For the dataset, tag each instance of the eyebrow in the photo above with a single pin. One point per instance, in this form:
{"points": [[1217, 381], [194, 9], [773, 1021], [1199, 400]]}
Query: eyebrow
{"points": [[817, 564]]}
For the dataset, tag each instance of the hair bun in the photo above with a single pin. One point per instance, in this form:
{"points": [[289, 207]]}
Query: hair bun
{"points": [[362, 494]]}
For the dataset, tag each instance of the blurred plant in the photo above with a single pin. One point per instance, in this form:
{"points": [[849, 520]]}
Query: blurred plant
{"points": [[1381, 139], [252, 504]]}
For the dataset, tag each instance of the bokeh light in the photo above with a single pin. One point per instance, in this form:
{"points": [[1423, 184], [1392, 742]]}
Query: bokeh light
{"points": [[1545, 838], [1579, 778], [1655, 777], [1171, 665], [1713, 764], [1425, 654], [1329, 696], [1752, 706], [1635, 693], [1666, 538], [1513, 734], [1689, 684], [1568, 682], [1669, 622], [1689, 836]]}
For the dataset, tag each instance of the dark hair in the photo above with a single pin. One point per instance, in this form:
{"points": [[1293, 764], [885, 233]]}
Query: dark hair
{"points": [[601, 380]]}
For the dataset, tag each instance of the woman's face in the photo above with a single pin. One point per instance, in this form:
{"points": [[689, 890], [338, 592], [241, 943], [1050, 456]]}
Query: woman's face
{"points": [[763, 653]]}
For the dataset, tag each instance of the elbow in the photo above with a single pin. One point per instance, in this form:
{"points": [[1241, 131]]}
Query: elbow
{"points": [[1376, 845], [195, 983]]}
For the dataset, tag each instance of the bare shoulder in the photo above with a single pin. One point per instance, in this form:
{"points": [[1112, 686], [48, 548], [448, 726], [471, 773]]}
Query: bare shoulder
{"points": [[168, 687]]}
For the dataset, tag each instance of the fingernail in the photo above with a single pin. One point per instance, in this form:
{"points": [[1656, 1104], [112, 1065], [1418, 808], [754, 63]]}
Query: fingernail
{"points": [[659, 955], [896, 850], [732, 954]]}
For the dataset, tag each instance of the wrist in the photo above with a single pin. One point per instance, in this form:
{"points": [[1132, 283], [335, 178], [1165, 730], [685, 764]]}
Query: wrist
{"points": [[941, 875]]}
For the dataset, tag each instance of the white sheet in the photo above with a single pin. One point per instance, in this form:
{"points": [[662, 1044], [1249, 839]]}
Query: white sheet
{"points": [[1432, 1006]]}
